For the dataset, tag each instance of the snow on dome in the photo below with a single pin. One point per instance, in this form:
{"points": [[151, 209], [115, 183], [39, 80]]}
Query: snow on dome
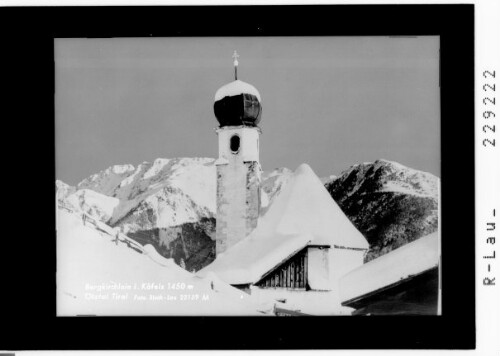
{"points": [[235, 88]]}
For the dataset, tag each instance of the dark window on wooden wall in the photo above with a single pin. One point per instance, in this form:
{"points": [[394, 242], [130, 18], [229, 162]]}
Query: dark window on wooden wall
{"points": [[290, 274]]}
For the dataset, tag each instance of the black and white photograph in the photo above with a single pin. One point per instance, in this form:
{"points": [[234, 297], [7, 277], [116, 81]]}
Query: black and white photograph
{"points": [[178, 173], [248, 176]]}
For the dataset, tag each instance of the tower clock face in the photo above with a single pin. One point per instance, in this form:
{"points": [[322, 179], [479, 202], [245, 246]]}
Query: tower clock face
{"points": [[234, 144]]}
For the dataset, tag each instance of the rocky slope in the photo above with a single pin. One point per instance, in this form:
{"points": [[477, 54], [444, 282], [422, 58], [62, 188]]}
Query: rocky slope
{"points": [[389, 203], [190, 245], [160, 194]]}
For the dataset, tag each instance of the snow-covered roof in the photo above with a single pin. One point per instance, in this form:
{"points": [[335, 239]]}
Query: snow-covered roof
{"points": [[251, 258], [413, 258], [236, 87], [305, 206], [304, 213]]}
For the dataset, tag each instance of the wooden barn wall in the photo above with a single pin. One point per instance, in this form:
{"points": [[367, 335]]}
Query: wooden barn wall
{"points": [[290, 274]]}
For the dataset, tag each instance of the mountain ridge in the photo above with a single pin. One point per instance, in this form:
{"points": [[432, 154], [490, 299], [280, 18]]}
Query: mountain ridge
{"points": [[389, 203]]}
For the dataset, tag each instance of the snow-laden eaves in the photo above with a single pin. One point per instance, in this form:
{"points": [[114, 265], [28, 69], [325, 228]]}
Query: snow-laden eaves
{"points": [[411, 259], [250, 259]]}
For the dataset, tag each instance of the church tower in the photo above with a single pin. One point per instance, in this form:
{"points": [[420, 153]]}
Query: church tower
{"points": [[238, 110]]}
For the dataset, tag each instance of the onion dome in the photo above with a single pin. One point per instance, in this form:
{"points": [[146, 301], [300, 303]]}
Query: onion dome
{"points": [[237, 103]]}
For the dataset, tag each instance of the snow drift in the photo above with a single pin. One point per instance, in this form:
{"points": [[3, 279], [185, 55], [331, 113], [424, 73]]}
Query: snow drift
{"points": [[98, 276]]}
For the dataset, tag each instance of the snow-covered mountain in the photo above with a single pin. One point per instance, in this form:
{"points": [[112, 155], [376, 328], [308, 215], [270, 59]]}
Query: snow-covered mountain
{"points": [[170, 203], [95, 204], [63, 190], [105, 182], [389, 203], [164, 193]]}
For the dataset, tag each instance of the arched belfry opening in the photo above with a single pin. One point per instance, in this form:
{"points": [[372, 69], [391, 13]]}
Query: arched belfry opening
{"points": [[238, 110]]}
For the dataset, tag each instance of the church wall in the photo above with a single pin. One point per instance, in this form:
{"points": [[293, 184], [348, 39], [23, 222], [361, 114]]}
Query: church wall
{"points": [[249, 146], [252, 195], [238, 186], [318, 270], [342, 262], [231, 205]]}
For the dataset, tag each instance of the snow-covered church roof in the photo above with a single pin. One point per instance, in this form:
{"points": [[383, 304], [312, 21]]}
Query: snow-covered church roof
{"points": [[236, 87], [406, 261], [303, 214]]}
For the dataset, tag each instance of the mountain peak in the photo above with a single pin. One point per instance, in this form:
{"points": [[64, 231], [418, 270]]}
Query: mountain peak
{"points": [[121, 168], [383, 175], [388, 202], [391, 204]]}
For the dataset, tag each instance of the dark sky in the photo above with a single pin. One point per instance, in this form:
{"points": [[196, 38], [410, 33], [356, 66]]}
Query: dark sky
{"points": [[327, 101]]}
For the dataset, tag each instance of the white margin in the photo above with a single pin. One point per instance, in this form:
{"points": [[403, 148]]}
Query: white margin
{"points": [[487, 160], [487, 56]]}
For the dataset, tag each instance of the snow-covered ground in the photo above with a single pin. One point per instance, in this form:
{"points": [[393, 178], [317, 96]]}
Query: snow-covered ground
{"points": [[98, 276], [307, 302]]}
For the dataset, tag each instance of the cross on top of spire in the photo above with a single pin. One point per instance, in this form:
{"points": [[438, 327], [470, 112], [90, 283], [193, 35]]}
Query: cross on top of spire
{"points": [[235, 57], [235, 62]]}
